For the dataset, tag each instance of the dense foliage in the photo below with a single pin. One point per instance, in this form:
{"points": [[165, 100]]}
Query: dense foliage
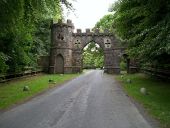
{"points": [[93, 56], [105, 23], [24, 34], [143, 26]]}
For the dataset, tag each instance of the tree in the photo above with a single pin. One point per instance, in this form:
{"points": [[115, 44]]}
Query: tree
{"points": [[24, 33], [105, 23], [144, 27], [93, 56]]}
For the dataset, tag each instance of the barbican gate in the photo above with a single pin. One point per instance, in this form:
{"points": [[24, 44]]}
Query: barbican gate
{"points": [[67, 48]]}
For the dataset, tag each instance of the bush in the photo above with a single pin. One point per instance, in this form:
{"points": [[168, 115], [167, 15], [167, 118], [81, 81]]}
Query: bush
{"points": [[3, 66], [123, 66]]}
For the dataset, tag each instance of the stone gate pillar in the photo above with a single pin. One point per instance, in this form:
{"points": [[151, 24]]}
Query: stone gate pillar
{"points": [[77, 52], [77, 61], [111, 55], [112, 61]]}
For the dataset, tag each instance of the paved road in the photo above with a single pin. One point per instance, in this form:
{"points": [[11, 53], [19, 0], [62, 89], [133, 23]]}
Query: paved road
{"points": [[92, 100]]}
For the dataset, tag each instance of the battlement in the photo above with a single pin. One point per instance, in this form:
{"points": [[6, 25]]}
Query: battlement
{"points": [[68, 23], [79, 32], [90, 32]]}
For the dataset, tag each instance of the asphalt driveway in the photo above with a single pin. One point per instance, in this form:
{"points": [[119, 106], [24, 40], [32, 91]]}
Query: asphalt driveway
{"points": [[93, 100]]}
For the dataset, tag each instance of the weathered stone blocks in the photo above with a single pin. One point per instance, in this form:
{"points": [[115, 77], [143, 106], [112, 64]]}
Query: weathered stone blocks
{"points": [[70, 46]]}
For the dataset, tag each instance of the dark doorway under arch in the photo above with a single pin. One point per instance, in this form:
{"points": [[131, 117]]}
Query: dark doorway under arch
{"points": [[59, 68]]}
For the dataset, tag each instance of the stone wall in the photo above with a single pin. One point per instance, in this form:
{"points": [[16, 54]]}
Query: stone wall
{"points": [[43, 63]]}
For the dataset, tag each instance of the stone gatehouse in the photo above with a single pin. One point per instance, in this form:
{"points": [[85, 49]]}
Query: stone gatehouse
{"points": [[67, 48]]}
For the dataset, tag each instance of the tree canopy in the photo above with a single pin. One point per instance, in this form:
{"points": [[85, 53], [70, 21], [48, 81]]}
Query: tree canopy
{"points": [[143, 26], [105, 23], [25, 33], [93, 56]]}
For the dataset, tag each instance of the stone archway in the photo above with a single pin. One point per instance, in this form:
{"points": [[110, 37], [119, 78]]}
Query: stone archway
{"points": [[59, 64], [72, 43], [93, 57], [105, 40]]}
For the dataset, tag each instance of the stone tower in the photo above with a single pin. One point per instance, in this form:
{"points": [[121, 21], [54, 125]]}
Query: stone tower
{"points": [[61, 47]]}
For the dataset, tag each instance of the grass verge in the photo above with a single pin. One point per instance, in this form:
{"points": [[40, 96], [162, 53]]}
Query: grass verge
{"points": [[12, 92], [156, 102]]}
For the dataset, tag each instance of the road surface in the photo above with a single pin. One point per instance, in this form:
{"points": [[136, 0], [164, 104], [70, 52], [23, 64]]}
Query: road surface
{"points": [[93, 100]]}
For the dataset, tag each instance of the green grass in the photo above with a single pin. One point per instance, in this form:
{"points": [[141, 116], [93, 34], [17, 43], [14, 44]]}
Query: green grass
{"points": [[157, 102], [12, 92]]}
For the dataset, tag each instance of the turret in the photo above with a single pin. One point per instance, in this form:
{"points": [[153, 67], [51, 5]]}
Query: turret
{"points": [[61, 48]]}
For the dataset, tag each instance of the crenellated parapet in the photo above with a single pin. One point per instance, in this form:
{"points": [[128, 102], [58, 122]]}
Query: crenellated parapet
{"points": [[90, 32], [60, 23]]}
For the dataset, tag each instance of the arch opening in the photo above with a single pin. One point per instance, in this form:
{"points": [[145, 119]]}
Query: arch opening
{"points": [[93, 56], [59, 64]]}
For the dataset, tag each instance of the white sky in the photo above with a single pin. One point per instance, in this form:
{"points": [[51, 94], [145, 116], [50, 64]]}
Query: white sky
{"points": [[88, 12]]}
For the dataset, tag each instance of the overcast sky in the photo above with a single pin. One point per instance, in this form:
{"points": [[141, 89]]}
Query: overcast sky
{"points": [[88, 12]]}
